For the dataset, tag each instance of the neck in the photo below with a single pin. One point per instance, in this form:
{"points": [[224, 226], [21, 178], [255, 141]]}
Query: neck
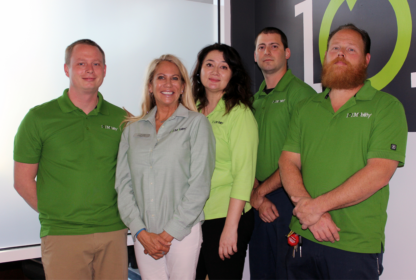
{"points": [[340, 96], [213, 99], [164, 112], [272, 79], [85, 101]]}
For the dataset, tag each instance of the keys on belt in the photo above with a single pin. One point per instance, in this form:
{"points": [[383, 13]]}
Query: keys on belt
{"points": [[295, 241]]}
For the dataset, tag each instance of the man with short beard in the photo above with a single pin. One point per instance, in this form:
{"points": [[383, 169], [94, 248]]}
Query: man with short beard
{"points": [[342, 149]]}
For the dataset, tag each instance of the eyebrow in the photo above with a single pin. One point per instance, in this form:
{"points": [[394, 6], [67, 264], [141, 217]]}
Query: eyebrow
{"points": [[214, 60]]}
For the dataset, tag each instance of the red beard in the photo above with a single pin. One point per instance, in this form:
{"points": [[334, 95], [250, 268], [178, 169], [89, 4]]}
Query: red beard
{"points": [[343, 77]]}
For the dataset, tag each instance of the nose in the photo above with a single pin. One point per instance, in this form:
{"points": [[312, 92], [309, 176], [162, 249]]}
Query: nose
{"points": [[340, 53], [90, 69], [267, 50]]}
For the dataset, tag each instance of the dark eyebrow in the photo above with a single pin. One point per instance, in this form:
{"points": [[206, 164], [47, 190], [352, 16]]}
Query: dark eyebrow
{"points": [[214, 61]]}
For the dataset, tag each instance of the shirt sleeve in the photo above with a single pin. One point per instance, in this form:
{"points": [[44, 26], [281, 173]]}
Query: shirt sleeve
{"points": [[127, 205], [244, 140], [292, 143], [202, 144], [389, 134], [27, 142]]}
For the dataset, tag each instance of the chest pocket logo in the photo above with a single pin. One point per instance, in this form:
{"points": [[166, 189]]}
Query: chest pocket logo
{"points": [[278, 101], [359, 115], [109, 127], [218, 122]]}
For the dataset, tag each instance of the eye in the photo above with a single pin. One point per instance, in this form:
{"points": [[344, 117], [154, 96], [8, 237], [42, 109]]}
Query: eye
{"points": [[261, 47], [175, 78], [274, 46], [81, 64], [97, 64], [160, 77], [209, 64], [351, 50], [224, 67], [335, 48]]}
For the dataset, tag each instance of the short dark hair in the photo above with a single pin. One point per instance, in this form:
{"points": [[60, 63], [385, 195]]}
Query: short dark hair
{"points": [[70, 48], [238, 89], [350, 26], [273, 30]]}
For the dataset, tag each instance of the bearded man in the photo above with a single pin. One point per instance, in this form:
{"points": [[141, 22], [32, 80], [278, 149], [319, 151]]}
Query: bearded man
{"points": [[342, 149]]}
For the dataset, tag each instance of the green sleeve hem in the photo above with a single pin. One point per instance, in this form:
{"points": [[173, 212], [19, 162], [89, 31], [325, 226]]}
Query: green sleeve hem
{"points": [[290, 148], [25, 159], [388, 155]]}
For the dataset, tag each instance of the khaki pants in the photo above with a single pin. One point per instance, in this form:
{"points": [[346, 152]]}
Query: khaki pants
{"points": [[90, 256]]}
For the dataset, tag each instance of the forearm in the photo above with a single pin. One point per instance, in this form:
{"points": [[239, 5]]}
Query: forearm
{"points": [[235, 209], [363, 184], [270, 184], [25, 183], [28, 192], [291, 176]]}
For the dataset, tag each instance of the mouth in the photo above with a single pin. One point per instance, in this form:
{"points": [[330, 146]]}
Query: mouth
{"points": [[89, 79], [167, 92], [214, 80]]}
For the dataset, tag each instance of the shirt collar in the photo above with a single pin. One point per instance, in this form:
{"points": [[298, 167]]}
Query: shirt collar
{"points": [[367, 92], [181, 111], [67, 106], [282, 84]]}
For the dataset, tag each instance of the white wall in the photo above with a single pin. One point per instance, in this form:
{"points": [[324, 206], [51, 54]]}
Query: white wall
{"points": [[34, 37]]}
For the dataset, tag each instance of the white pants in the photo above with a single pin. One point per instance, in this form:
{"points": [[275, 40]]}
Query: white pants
{"points": [[178, 264]]}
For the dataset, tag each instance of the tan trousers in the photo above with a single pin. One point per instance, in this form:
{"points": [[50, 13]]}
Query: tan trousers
{"points": [[90, 256]]}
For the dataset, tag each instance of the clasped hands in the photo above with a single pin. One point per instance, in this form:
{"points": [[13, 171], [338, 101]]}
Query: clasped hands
{"points": [[156, 245], [319, 223]]}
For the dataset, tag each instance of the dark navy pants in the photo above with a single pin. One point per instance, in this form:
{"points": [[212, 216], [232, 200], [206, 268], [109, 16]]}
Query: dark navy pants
{"points": [[268, 245], [322, 262]]}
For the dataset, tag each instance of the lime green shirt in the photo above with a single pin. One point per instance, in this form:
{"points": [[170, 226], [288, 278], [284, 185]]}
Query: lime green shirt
{"points": [[77, 156], [334, 146], [273, 112], [236, 139]]}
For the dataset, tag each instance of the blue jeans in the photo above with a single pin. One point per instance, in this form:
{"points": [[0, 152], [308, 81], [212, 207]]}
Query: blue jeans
{"points": [[322, 262], [268, 245]]}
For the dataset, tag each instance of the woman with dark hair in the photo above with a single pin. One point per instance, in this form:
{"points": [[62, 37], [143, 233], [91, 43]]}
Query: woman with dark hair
{"points": [[221, 88]]}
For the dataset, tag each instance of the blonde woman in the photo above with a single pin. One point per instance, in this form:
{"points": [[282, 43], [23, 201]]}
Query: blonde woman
{"points": [[165, 163]]}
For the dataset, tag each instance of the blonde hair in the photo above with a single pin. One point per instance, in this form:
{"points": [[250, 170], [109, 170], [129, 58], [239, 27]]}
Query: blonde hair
{"points": [[149, 101]]}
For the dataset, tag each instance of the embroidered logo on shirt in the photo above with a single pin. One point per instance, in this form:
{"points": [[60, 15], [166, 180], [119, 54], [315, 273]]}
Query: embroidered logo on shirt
{"points": [[218, 122], [109, 127], [393, 147], [142, 135], [359, 114], [177, 129], [279, 101]]}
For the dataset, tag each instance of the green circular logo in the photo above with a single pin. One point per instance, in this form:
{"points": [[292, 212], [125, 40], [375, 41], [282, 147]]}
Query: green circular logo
{"points": [[404, 35]]}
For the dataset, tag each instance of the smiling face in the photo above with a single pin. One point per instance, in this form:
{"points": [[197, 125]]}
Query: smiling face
{"points": [[215, 72], [86, 70], [270, 54], [166, 85]]}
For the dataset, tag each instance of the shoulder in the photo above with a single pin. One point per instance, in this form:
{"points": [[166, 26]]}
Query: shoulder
{"points": [[114, 110], [297, 85], [44, 110]]}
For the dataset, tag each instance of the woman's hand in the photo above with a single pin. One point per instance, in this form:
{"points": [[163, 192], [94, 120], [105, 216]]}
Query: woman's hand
{"points": [[153, 244], [228, 242]]}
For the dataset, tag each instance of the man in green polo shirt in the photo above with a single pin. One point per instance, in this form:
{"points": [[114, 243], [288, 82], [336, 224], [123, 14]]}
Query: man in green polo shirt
{"points": [[342, 148], [65, 154], [274, 103]]}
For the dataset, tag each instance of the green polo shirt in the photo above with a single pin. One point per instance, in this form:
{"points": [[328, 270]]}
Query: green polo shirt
{"points": [[77, 156], [273, 112], [334, 146], [236, 139]]}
